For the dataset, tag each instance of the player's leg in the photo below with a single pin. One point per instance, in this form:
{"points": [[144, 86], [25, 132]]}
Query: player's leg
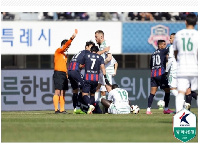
{"points": [[86, 89], [164, 85], [154, 88], [74, 85], [62, 96], [58, 86], [172, 82], [56, 98], [183, 85]]}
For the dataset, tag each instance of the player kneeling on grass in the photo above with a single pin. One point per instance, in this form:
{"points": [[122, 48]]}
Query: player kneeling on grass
{"points": [[118, 102]]}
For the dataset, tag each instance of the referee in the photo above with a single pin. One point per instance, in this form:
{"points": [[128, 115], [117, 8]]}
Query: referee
{"points": [[60, 75]]}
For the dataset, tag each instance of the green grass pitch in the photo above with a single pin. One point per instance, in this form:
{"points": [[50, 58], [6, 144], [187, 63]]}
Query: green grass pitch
{"points": [[45, 126]]}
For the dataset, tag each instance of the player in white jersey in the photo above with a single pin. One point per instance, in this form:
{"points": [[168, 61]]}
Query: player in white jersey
{"points": [[111, 69], [171, 68], [118, 102], [99, 37], [185, 50]]}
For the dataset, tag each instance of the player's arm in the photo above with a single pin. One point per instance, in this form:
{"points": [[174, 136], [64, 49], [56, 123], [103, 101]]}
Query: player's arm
{"points": [[82, 63], [175, 54], [104, 50], [102, 66], [108, 59], [169, 63], [68, 43], [175, 47], [115, 68]]}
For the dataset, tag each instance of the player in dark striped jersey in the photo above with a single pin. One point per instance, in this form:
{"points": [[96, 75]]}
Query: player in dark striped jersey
{"points": [[74, 75], [158, 77], [93, 64]]}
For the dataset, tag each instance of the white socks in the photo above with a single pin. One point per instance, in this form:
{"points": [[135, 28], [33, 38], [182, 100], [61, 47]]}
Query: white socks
{"points": [[174, 92], [179, 101]]}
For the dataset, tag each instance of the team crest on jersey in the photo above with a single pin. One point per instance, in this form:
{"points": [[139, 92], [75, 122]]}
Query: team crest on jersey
{"points": [[158, 32]]}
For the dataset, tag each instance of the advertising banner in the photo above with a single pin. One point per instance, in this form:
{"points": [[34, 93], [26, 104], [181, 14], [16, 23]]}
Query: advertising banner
{"points": [[34, 89], [44, 37]]}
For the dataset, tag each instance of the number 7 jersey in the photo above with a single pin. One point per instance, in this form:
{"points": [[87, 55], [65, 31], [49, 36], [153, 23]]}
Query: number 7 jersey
{"points": [[186, 42]]}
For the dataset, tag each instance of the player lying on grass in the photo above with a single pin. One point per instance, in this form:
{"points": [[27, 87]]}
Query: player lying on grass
{"points": [[118, 102]]}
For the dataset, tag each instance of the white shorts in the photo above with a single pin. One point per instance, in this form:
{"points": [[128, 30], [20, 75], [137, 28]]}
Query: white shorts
{"points": [[185, 82], [102, 81], [116, 110], [172, 81]]}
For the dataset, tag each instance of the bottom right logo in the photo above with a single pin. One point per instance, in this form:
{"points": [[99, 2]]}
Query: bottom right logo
{"points": [[184, 125]]}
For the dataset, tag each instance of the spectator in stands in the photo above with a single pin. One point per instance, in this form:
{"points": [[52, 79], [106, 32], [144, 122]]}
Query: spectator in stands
{"points": [[83, 16], [146, 16], [166, 15], [134, 16], [8, 16], [174, 15]]}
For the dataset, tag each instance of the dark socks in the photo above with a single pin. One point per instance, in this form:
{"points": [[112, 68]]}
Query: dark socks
{"points": [[166, 99], [150, 100], [92, 100], [188, 98], [194, 95], [86, 99], [75, 99]]}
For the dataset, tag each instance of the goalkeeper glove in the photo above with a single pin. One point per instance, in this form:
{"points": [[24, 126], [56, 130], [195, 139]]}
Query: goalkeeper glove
{"points": [[106, 80]]}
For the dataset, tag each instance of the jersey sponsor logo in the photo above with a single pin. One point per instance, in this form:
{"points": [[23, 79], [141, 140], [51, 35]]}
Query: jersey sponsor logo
{"points": [[158, 32]]}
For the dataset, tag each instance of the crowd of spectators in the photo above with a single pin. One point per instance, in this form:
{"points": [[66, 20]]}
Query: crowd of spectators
{"points": [[104, 16]]}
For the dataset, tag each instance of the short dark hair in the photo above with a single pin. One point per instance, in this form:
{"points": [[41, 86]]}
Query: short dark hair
{"points": [[115, 86], [191, 19], [173, 33], [63, 42], [94, 48], [88, 43], [99, 31], [160, 41]]}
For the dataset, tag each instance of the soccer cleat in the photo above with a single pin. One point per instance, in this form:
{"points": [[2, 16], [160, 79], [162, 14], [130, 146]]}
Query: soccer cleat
{"points": [[79, 111], [90, 109], [149, 112], [168, 111], [63, 112], [57, 112]]}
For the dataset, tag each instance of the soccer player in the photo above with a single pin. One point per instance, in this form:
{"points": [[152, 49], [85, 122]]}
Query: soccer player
{"points": [[74, 75], [172, 68], [158, 76], [111, 70], [185, 50], [60, 75], [93, 63], [118, 102], [107, 56]]}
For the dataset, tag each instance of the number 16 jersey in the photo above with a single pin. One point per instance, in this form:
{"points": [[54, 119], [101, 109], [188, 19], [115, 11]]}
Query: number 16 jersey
{"points": [[158, 62], [186, 42]]}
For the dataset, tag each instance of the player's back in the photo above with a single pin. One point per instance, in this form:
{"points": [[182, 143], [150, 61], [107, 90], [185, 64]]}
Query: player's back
{"points": [[119, 96], [92, 63], [76, 59], [186, 42], [158, 62]]}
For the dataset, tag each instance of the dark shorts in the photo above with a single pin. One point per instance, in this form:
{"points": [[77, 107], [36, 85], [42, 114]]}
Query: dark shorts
{"points": [[60, 80], [76, 79], [90, 86], [161, 81]]}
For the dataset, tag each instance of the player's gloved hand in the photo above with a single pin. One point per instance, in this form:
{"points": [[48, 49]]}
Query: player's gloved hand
{"points": [[106, 80]]}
